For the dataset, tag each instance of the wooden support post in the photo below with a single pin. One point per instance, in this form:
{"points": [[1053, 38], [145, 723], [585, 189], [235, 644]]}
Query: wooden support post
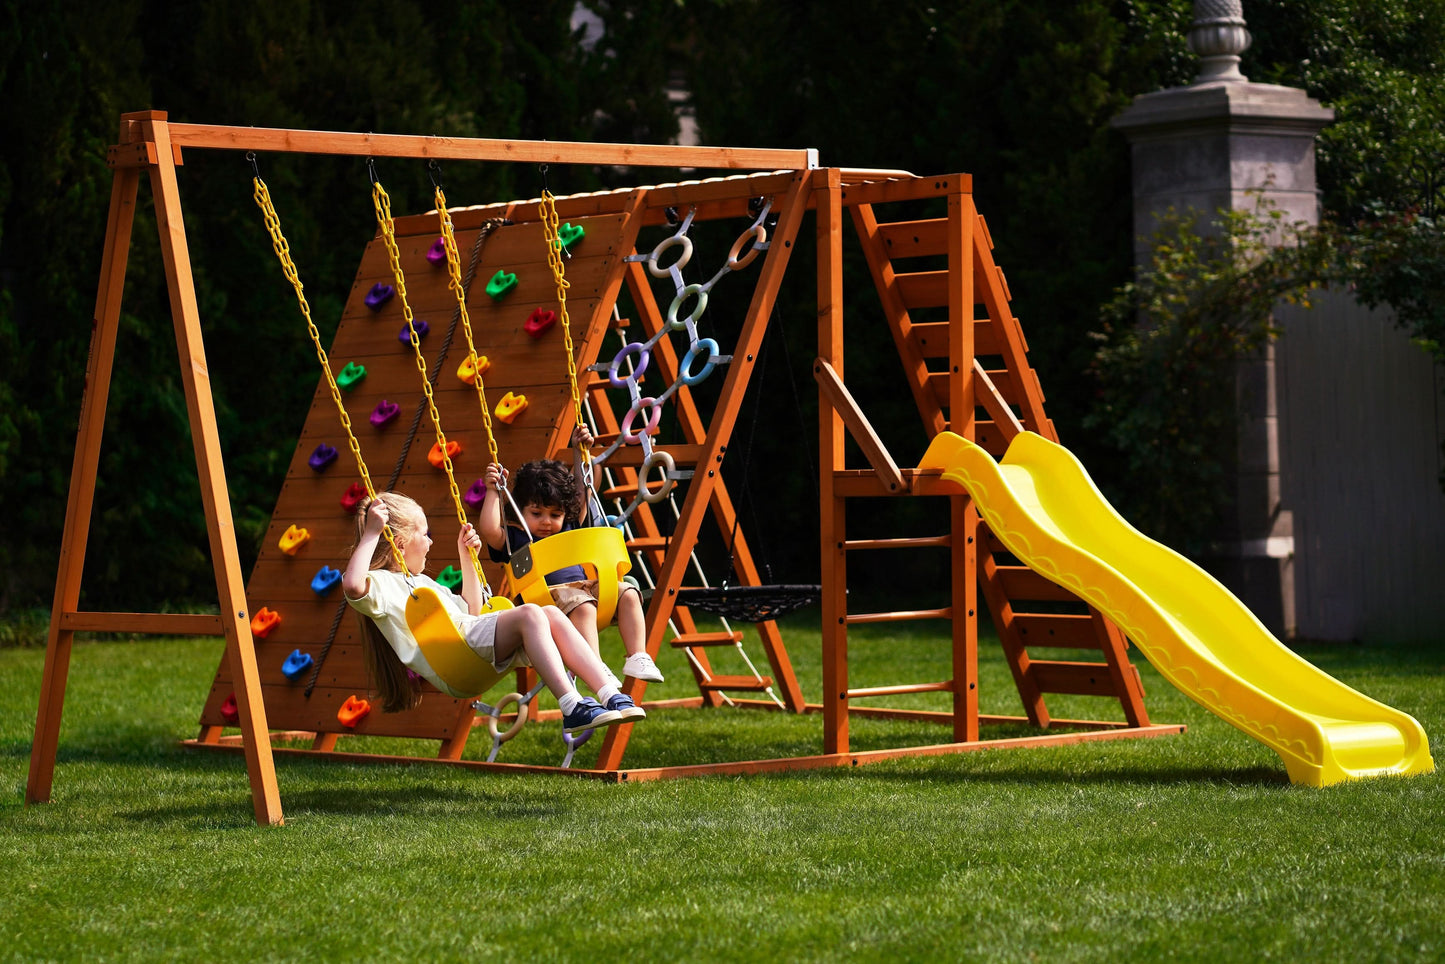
{"points": [[832, 527], [699, 492], [965, 549], [82, 482], [230, 586]]}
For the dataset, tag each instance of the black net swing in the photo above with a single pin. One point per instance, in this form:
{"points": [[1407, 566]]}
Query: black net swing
{"points": [[753, 604]]}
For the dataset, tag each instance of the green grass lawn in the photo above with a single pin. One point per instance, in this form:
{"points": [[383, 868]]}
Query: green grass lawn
{"points": [[1192, 847]]}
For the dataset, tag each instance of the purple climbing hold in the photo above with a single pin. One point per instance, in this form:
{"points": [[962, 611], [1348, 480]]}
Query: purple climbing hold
{"points": [[477, 494], [404, 336], [379, 295], [321, 457], [437, 253], [384, 412]]}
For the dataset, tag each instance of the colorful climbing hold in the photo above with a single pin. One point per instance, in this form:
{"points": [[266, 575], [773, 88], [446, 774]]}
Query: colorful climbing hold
{"points": [[353, 496], [510, 407], [477, 494], [469, 372], [384, 412], [539, 321], [451, 577], [379, 295], [264, 622], [501, 283], [325, 580], [437, 253], [296, 664], [353, 711], [230, 712], [321, 457], [570, 234], [293, 539], [435, 455], [421, 326], [350, 374]]}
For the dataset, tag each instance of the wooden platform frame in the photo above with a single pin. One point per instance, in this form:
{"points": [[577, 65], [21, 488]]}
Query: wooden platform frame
{"points": [[148, 142]]}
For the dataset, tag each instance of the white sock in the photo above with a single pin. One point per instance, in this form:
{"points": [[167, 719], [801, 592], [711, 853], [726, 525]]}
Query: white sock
{"points": [[606, 693], [567, 702], [613, 681]]}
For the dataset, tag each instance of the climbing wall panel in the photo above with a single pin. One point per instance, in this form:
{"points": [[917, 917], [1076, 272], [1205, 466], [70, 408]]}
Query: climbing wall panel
{"points": [[396, 452]]}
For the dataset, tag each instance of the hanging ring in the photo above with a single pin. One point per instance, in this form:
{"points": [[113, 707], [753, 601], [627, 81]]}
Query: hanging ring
{"points": [[496, 731], [644, 354], [654, 416], [677, 303], [679, 264], [703, 345], [759, 234], [658, 459]]}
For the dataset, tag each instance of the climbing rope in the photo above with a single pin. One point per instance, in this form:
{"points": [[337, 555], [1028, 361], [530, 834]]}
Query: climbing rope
{"points": [[288, 267], [381, 202]]}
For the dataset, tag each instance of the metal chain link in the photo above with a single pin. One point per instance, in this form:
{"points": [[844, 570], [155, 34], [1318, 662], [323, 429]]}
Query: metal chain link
{"points": [[381, 201], [288, 267]]}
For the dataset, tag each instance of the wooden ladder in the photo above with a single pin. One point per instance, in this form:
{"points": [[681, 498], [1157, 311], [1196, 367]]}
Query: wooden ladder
{"points": [[1027, 609]]}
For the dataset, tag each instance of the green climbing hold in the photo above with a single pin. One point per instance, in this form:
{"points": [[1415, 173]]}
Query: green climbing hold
{"points": [[450, 577], [570, 234], [350, 375], [501, 283]]}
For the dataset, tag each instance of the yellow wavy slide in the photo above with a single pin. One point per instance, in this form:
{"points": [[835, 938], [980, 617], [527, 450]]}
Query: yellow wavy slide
{"points": [[1043, 506]]}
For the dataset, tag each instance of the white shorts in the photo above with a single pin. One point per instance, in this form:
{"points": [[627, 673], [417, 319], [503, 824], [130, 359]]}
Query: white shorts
{"points": [[480, 632]]}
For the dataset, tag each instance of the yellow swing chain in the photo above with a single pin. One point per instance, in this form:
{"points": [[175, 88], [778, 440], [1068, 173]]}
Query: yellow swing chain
{"points": [[454, 271], [288, 267], [554, 260], [381, 201]]}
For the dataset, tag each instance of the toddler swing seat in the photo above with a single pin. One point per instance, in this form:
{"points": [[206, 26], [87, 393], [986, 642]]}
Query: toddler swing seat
{"points": [[600, 550], [446, 651]]}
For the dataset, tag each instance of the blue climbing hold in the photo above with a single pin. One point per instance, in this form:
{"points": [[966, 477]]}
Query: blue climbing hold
{"points": [[325, 580], [296, 664]]}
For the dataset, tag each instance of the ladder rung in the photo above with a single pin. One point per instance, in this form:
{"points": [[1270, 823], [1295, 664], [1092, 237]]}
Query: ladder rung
{"points": [[619, 492], [944, 687], [902, 616], [912, 543], [646, 542], [686, 640], [737, 683]]}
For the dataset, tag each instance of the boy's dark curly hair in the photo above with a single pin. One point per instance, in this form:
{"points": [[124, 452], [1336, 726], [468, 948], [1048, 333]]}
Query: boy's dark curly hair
{"points": [[550, 483]]}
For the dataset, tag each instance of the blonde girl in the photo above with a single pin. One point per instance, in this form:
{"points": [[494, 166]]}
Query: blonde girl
{"points": [[528, 635]]}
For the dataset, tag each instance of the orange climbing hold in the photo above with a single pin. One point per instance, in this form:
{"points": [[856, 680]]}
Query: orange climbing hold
{"points": [[264, 621], [293, 539], [353, 711], [510, 407], [435, 455]]}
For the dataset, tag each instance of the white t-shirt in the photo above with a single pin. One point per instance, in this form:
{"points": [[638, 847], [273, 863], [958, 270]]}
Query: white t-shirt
{"points": [[385, 604]]}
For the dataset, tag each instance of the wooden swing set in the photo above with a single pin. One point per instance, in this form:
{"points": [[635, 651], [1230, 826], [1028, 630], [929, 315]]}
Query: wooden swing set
{"points": [[946, 305]]}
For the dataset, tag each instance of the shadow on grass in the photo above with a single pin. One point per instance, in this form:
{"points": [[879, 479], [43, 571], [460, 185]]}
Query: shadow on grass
{"points": [[413, 800], [1096, 776]]}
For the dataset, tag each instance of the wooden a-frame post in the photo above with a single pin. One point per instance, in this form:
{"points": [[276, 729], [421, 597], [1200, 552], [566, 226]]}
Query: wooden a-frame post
{"points": [[145, 143]]}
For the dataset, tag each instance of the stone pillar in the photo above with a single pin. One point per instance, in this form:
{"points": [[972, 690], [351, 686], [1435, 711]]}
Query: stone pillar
{"points": [[1220, 143]]}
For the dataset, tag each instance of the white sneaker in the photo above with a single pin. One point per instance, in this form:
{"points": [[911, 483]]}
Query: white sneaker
{"points": [[640, 666]]}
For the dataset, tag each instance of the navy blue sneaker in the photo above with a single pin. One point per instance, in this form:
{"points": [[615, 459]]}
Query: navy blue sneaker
{"points": [[630, 711], [589, 715]]}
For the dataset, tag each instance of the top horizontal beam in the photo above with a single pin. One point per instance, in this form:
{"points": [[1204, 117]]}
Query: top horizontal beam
{"points": [[489, 149]]}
